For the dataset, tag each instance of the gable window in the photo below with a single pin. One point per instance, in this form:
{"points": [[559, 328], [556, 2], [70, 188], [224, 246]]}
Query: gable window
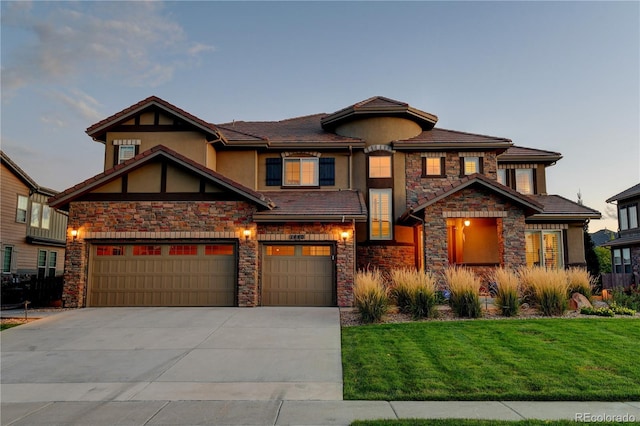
{"points": [[545, 249], [126, 152], [524, 181], [36, 209], [628, 217], [380, 214], [470, 165], [433, 166], [7, 259], [21, 212], [622, 261], [300, 172], [380, 166]]}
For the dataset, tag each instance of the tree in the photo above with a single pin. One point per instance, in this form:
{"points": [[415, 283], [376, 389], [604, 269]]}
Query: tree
{"points": [[593, 262], [604, 258]]}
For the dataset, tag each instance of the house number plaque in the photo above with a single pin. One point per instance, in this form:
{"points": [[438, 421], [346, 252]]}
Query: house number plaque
{"points": [[296, 237]]}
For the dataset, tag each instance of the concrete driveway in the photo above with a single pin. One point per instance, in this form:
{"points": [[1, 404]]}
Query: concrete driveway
{"points": [[174, 354]]}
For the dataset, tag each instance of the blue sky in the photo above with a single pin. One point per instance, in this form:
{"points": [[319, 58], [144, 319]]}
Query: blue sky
{"points": [[560, 76]]}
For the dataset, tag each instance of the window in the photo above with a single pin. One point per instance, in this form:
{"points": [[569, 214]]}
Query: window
{"points": [[42, 263], [218, 250], [53, 260], [21, 213], [7, 259], [380, 214], [300, 171], [524, 181], [126, 152], [470, 165], [325, 176], [628, 217], [502, 176], [36, 209], [46, 216], [433, 166], [622, 261], [147, 250], [280, 250], [380, 166], [110, 251], [316, 251], [544, 248], [183, 250]]}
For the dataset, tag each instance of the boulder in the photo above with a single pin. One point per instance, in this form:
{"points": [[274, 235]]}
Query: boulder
{"points": [[578, 301]]}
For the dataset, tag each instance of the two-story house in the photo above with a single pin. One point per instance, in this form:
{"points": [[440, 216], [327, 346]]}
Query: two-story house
{"points": [[33, 235], [192, 213], [625, 248]]}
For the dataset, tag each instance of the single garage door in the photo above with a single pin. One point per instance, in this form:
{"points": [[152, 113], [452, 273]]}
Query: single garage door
{"points": [[162, 275], [298, 275]]}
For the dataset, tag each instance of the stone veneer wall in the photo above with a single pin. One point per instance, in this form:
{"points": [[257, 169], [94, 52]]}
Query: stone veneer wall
{"points": [[511, 227], [154, 219], [419, 187], [386, 257], [321, 233]]}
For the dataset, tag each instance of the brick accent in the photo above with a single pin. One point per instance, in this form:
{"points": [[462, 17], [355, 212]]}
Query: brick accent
{"points": [[386, 257]]}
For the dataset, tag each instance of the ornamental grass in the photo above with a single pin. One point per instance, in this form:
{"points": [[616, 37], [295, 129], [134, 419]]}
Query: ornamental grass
{"points": [[580, 281], [370, 295], [547, 288], [464, 289], [414, 292], [508, 291]]}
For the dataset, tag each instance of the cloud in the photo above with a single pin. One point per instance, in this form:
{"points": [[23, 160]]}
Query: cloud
{"points": [[79, 102], [135, 43]]}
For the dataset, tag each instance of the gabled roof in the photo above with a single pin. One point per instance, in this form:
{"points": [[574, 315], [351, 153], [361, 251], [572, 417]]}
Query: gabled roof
{"points": [[379, 106], [560, 208], [312, 206], [98, 130], [24, 177], [298, 132], [158, 151], [634, 191], [523, 154], [446, 139], [476, 179]]}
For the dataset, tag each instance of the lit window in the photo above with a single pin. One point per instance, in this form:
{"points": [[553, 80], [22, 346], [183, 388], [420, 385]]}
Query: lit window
{"points": [[380, 166], [218, 250], [36, 209], [380, 214], [432, 166], [524, 181], [471, 165], [21, 213], [126, 152], [301, 171], [544, 248], [147, 250], [280, 250], [502, 176], [183, 250], [110, 251], [316, 251]]}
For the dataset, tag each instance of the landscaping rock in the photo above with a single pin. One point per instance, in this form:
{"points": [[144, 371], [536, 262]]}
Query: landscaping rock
{"points": [[578, 301]]}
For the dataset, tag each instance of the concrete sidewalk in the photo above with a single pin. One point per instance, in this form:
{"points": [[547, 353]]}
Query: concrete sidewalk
{"points": [[277, 412]]}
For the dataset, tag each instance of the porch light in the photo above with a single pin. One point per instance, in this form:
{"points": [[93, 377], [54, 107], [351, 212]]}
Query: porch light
{"points": [[467, 222], [344, 235], [74, 234], [246, 233]]}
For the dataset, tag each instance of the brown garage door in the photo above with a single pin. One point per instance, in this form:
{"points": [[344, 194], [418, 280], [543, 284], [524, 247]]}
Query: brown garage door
{"points": [[162, 275], [298, 275]]}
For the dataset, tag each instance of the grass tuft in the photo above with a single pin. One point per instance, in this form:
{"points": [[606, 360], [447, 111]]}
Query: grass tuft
{"points": [[548, 289], [464, 289], [414, 292], [580, 281], [370, 295], [508, 292]]}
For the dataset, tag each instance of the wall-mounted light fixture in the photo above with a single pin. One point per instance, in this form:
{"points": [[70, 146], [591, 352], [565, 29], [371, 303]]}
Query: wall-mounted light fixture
{"points": [[344, 235], [246, 233], [74, 234], [467, 222]]}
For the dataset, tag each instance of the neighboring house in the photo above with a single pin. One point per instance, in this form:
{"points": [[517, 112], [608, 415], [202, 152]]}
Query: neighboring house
{"points": [[190, 213], [33, 234], [625, 248]]}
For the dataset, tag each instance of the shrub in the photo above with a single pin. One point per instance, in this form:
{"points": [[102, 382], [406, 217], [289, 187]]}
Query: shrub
{"points": [[621, 310], [602, 312], [414, 292], [507, 297], [628, 299], [580, 281], [548, 289], [464, 288], [370, 295]]}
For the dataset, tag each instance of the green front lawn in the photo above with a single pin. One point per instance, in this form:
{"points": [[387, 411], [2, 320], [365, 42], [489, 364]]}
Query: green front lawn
{"points": [[532, 359], [5, 326]]}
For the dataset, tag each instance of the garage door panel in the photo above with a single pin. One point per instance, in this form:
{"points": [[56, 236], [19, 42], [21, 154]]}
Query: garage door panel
{"points": [[173, 275]]}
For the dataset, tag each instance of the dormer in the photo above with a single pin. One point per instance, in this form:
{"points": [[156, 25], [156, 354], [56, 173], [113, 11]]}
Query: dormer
{"points": [[524, 169]]}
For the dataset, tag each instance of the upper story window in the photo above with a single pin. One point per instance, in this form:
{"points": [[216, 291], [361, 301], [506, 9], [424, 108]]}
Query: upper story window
{"points": [[126, 152], [36, 210], [628, 217], [622, 261], [502, 176], [380, 166], [380, 208], [125, 149], [21, 211], [46, 216], [470, 165], [300, 171], [433, 166], [524, 181]]}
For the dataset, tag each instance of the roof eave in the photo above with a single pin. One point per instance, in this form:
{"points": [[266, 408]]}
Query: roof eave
{"points": [[554, 217], [407, 146], [271, 217], [529, 158]]}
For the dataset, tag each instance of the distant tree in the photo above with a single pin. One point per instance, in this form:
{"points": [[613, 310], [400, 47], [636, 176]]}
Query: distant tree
{"points": [[604, 258], [593, 262]]}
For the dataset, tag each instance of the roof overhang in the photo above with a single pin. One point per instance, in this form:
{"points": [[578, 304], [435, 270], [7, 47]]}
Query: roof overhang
{"points": [[269, 216], [627, 240], [467, 146]]}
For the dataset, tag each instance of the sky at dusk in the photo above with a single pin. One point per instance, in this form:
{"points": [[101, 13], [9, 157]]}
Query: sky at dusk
{"points": [[559, 76]]}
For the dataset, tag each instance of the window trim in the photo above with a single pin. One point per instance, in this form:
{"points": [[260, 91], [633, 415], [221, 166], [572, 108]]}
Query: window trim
{"points": [[624, 217], [561, 247], [425, 173], [373, 213], [300, 160], [463, 163]]}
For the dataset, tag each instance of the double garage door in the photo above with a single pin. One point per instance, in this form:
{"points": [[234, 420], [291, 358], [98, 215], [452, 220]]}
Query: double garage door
{"points": [[205, 275], [163, 275]]}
